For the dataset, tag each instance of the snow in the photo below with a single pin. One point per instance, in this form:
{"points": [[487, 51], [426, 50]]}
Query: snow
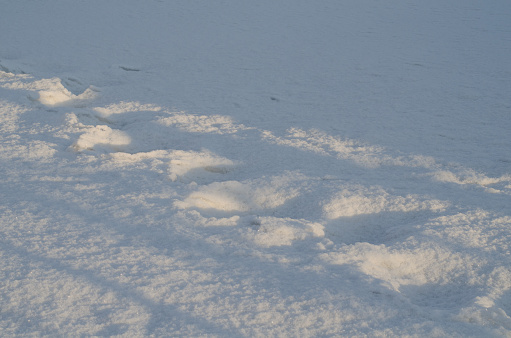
{"points": [[236, 168]]}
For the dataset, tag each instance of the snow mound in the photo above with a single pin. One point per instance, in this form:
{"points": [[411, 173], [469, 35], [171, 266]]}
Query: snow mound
{"points": [[249, 196], [271, 231], [190, 164], [396, 268], [102, 136], [60, 96], [49, 92], [181, 165]]}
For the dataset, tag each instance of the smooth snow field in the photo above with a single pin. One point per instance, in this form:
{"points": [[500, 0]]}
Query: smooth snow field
{"points": [[255, 168]]}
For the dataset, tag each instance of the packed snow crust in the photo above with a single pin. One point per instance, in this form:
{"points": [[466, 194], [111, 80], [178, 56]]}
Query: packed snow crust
{"points": [[273, 168]]}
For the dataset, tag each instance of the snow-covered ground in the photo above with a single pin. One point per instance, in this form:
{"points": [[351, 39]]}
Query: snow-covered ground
{"points": [[263, 168]]}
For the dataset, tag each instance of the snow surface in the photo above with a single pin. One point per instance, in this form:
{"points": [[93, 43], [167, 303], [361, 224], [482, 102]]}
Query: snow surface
{"points": [[264, 168]]}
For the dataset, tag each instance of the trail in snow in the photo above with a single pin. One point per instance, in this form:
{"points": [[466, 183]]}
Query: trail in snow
{"points": [[268, 168], [133, 218]]}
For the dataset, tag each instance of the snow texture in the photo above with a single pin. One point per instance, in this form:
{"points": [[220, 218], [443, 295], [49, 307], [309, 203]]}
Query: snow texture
{"points": [[272, 168]]}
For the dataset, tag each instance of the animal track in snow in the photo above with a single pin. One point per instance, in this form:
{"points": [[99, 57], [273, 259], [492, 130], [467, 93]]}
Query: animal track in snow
{"points": [[271, 231], [370, 214], [180, 165], [133, 132]]}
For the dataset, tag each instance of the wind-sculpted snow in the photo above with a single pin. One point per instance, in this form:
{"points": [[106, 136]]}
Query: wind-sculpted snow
{"points": [[374, 157], [49, 92], [355, 201], [252, 196], [127, 218]]}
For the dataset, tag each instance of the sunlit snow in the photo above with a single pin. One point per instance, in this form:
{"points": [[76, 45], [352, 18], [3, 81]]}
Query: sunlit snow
{"points": [[272, 168]]}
